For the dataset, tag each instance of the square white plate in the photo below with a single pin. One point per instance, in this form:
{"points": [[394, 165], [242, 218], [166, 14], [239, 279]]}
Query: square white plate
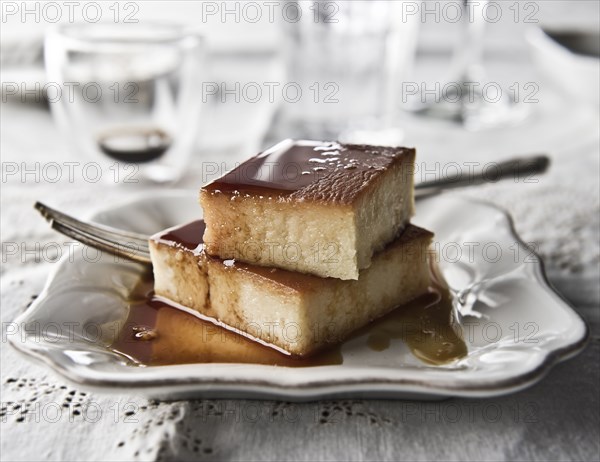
{"points": [[515, 325]]}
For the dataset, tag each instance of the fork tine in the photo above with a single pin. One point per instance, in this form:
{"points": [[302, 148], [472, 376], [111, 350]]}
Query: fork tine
{"points": [[118, 248], [94, 228], [102, 234], [131, 246]]}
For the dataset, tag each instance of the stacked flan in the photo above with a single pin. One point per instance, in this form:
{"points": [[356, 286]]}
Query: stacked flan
{"points": [[300, 245]]}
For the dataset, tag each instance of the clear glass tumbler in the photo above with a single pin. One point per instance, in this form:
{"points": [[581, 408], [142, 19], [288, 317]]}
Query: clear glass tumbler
{"points": [[348, 59], [127, 96]]}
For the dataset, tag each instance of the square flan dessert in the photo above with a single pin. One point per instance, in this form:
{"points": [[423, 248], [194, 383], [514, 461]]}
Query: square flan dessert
{"points": [[320, 208], [294, 312]]}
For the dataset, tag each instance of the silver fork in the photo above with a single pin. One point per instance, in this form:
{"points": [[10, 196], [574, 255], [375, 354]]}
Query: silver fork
{"points": [[134, 246], [126, 244]]}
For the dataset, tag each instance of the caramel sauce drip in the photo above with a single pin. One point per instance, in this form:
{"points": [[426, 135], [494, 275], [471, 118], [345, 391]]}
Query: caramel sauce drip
{"points": [[187, 236], [156, 333], [426, 325], [181, 338], [292, 165]]}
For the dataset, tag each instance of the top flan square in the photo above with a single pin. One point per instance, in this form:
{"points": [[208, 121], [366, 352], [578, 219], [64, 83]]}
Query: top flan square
{"points": [[322, 208]]}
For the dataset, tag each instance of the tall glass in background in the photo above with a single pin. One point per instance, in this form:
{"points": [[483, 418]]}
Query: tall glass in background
{"points": [[129, 96], [465, 102], [349, 59]]}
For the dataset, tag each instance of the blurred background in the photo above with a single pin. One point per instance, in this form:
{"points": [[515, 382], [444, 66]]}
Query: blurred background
{"points": [[253, 50]]}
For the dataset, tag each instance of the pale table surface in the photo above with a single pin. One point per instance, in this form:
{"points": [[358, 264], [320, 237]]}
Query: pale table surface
{"points": [[44, 417]]}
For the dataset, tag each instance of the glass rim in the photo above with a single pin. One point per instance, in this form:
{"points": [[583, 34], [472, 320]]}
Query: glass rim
{"points": [[130, 34]]}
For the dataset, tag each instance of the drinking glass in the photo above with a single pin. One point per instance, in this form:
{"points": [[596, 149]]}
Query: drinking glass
{"points": [[464, 102], [127, 96], [347, 59]]}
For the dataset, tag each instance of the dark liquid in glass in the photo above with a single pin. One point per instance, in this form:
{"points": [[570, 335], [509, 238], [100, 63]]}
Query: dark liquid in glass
{"points": [[135, 145]]}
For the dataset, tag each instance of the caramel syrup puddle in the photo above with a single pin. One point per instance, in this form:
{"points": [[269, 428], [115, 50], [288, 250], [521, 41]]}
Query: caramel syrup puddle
{"points": [[427, 326], [157, 333]]}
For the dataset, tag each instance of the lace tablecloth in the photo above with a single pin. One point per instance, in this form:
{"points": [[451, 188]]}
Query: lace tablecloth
{"points": [[43, 417]]}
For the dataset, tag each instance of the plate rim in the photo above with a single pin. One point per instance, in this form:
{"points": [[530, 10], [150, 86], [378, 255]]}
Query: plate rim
{"points": [[318, 388]]}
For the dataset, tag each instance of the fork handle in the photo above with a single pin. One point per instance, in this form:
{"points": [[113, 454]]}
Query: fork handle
{"points": [[517, 168]]}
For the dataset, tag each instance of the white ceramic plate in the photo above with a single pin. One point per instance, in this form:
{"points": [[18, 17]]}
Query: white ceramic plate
{"points": [[516, 327]]}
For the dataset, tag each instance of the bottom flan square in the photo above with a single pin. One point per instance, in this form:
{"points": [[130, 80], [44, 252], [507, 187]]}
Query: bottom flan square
{"points": [[295, 312]]}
